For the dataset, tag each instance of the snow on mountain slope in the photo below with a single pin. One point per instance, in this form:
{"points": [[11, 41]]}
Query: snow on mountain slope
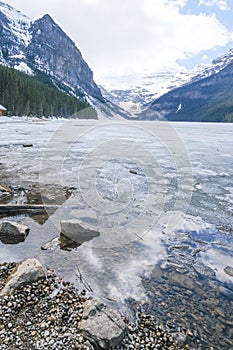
{"points": [[41, 45], [134, 92], [18, 23]]}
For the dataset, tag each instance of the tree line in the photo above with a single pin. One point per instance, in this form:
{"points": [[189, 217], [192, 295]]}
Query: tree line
{"points": [[25, 95]]}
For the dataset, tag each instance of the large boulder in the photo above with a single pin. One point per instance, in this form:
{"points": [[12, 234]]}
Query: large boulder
{"points": [[28, 271], [13, 232], [77, 232], [102, 325]]}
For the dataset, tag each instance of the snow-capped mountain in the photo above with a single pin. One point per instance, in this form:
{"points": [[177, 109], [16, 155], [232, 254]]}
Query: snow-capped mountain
{"points": [[41, 45], [207, 96], [135, 92]]}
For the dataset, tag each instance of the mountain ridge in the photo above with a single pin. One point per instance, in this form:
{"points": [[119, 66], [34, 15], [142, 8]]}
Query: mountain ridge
{"points": [[42, 45], [207, 98]]}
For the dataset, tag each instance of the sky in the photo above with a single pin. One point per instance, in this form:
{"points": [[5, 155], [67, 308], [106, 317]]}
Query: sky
{"points": [[118, 37]]}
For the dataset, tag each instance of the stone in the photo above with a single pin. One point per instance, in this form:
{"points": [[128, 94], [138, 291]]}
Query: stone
{"points": [[51, 245], [5, 193], [102, 325], [4, 188], [77, 232], [27, 145], [27, 272], [13, 232], [228, 271]]}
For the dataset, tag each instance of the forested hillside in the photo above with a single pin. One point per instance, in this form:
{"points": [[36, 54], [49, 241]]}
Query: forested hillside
{"points": [[206, 100], [24, 95]]}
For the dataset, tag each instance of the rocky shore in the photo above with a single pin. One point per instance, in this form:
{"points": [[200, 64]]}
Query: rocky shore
{"points": [[48, 313]]}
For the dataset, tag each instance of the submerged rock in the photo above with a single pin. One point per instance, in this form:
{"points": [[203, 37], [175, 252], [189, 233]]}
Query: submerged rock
{"points": [[75, 233], [102, 325], [13, 232], [51, 245], [28, 271]]}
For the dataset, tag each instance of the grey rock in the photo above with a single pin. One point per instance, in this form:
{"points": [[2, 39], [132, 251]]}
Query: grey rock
{"points": [[228, 271], [51, 245], [59, 55], [76, 231], [5, 193], [28, 271], [102, 325], [13, 232], [47, 49]]}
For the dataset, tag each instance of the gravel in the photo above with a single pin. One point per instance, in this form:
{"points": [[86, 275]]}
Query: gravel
{"points": [[46, 314]]}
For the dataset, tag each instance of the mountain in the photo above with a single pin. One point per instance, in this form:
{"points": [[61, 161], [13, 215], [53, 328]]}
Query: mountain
{"points": [[203, 93], [208, 96], [41, 46], [135, 92], [25, 95]]}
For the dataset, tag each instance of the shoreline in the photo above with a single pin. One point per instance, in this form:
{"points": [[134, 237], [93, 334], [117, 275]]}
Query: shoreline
{"points": [[45, 315]]}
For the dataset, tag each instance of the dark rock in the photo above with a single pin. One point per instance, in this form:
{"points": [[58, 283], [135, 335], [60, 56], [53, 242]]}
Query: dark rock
{"points": [[75, 232], [13, 232], [6, 193], [27, 145]]}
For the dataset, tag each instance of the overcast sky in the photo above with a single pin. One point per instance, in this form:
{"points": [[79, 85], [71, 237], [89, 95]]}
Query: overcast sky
{"points": [[128, 36]]}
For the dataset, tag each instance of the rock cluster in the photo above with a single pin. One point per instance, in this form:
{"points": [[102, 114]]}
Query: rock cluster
{"points": [[49, 313]]}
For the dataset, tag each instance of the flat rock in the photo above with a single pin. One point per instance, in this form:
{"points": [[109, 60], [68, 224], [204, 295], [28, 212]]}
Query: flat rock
{"points": [[77, 231], [102, 325], [28, 271], [13, 232]]}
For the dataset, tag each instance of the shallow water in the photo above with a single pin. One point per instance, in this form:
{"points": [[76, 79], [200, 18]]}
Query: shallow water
{"points": [[161, 196]]}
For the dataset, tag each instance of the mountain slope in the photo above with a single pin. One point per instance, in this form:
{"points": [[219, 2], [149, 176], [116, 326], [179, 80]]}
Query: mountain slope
{"points": [[159, 92], [203, 99], [43, 46], [24, 95]]}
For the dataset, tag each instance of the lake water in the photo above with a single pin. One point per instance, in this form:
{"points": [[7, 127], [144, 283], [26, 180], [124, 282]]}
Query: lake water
{"points": [[161, 196]]}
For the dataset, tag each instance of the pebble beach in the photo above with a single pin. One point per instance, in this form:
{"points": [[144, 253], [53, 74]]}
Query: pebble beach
{"points": [[46, 315]]}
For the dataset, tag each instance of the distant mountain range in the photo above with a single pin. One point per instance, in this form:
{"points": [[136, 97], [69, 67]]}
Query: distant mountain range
{"points": [[204, 93], [42, 50], [208, 96]]}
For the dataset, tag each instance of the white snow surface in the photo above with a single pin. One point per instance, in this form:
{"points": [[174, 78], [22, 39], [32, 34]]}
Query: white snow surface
{"points": [[23, 67], [19, 23]]}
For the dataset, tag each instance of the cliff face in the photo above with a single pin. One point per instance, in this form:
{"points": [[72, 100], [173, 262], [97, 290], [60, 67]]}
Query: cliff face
{"points": [[52, 51], [43, 46]]}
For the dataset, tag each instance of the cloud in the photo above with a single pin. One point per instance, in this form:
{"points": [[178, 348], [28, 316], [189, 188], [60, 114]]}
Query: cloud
{"points": [[222, 4], [128, 36]]}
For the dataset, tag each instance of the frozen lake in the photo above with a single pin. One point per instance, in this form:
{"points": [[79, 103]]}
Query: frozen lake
{"points": [[161, 196]]}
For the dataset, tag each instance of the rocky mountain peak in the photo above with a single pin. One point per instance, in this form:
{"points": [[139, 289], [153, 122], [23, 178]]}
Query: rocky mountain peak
{"points": [[42, 45]]}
